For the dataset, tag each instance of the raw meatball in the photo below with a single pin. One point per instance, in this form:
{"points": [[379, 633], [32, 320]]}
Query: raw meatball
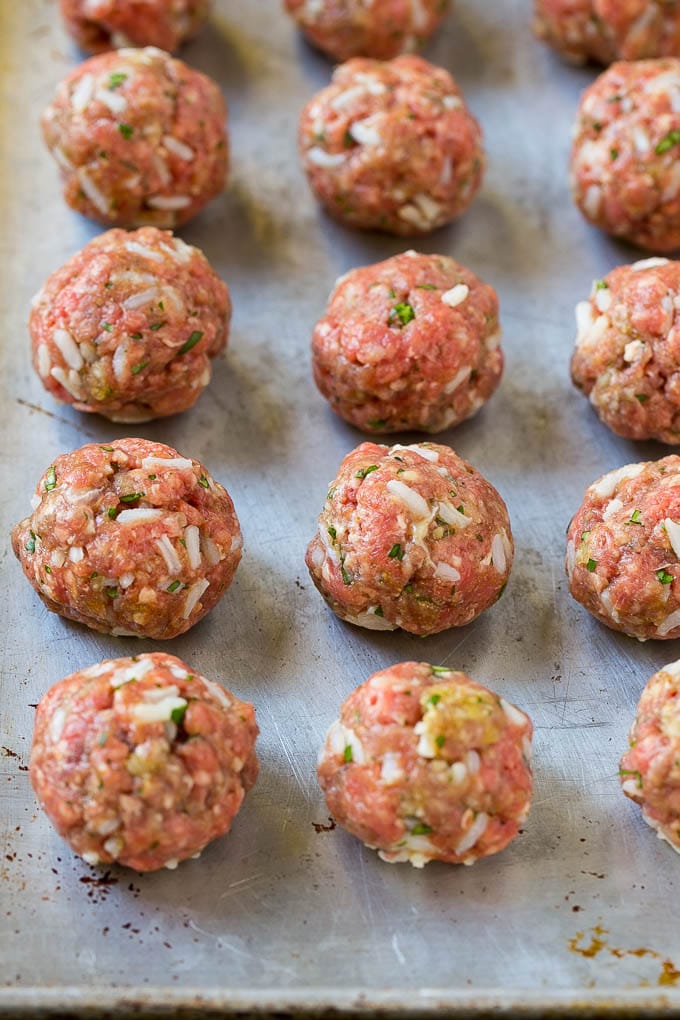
{"points": [[128, 326], [650, 768], [424, 765], [354, 28], [98, 25], [627, 357], [410, 343], [392, 146], [410, 537], [139, 137], [130, 539], [607, 30], [142, 761], [623, 549], [625, 162]]}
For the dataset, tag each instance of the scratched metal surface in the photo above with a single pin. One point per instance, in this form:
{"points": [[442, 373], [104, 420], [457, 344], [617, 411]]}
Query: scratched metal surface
{"points": [[278, 914]]}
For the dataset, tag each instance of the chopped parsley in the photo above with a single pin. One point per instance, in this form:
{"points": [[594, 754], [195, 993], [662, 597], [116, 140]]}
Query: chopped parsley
{"points": [[112, 512], [135, 336], [663, 576], [379, 611], [157, 325], [136, 369], [332, 532], [667, 142], [377, 423], [590, 565], [346, 578], [425, 286], [403, 312], [116, 79], [177, 714], [30, 544], [191, 342], [126, 131], [434, 699], [348, 755], [48, 570], [421, 829], [203, 481], [107, 326], [437, 670], [396, 552], [174, 586], [362, 472], [109, 449], [112, 593], [642, 397], [132, 497], [601, 285], [635, 517], [632, 772], [51, 479], [440, 740]]}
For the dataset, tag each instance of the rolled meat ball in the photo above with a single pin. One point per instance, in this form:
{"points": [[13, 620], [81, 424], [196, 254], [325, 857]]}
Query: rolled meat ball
{"points": [[625, 160], [623, 549], [409, 343], [129, 538], [392, 146], [128, 327], [608, 30], [139, 137], [650, 768], [424, 765], [353, 28], [98, 25], [627, 355], [142, 761], [411, 537]]}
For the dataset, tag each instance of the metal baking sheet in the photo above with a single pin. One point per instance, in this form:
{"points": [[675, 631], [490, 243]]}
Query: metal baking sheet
{"points": [[580, 913]]}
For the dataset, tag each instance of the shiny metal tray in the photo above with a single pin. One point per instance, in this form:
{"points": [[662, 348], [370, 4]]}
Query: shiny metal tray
{"points": [[285, 915]]}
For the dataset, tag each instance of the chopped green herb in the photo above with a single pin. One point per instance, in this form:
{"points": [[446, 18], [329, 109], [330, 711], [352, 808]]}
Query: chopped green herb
{"points": [[108, 285], [438, 670], [403, 312], [425, 286], [667, 142], [48, 570], [112, 512], [191, 342], [332, 532], [377, 423], [396, 552], [30, 544], [590, 565], [116, 79], [632, 772], [132, 497], [109, 449], [501, 593], [347, 140], [126, 130], [434, 699], [51, 479], [379, 611], [635, 517], [331, 492], [156, 326], [614, 154], [597, 126], [177, 714], [112, 593], [135, 336], [346, 578], [136, 369], [461, 509], [348, 755], [642, 397], [421, 829], [601, 285], [107, 326], [362, 472], [174, 586], [93, 575], [440, 740], [152, 478], [203, 481], [664, 576]]}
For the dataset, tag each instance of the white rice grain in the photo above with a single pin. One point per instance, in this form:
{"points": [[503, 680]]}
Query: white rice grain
{"points": [[168, 553], [193, 546], [178, 148], [456, 295], [411, 499], [194, 594]]}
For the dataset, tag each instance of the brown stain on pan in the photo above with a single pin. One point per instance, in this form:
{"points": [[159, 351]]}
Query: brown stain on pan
{"points": [[669, 975]]}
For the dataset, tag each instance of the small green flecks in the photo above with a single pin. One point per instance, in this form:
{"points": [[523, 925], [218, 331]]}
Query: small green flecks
{"points": [[667, 142], [347, 140], [632, 772], [425, 286], [136, 369], [332, 532], [174, 586], [590, 565], [132, 497], [346, 578], [501, 593], [663, 576], [108, 285], [421, 829], [461, 509], [396, 552], [331, 492], [191, 342], [347, 754], [152, 478], [379, 611], [440, 740], [156, 326], [116, 79], [51, 479], [108, 449], [107, 326], [126, 130], [438, 670], [597, 126], [112, 593], [112, 512], [177, 714], [434, 699], [203, 481], [362, 472], [48, 570], [601, 285], [642, 397], [614, 154], [635, 517], [30, 543], [135, 336], [403, 312], [377, 423], [93, 575]]}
